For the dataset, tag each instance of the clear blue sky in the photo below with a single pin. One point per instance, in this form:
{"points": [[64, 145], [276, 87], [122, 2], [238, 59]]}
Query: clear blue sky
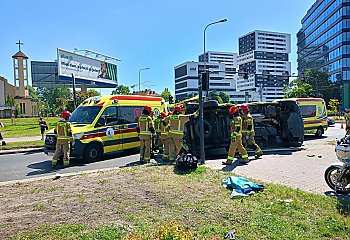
{"points": [[143, 33]]}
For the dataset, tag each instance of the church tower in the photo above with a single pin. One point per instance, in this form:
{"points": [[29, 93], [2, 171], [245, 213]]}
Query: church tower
{"points": [[20, 67], [20, 72]]}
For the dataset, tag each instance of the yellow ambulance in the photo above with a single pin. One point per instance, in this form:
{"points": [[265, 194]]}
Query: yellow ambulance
{"points": [[314, 113], [106, 124]]}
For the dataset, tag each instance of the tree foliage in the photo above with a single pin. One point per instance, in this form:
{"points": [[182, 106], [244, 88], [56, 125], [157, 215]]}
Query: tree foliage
{"points": [[10, 101], [225, 97], [121, 90], [166, 94], [213, 95], [314, 83]]}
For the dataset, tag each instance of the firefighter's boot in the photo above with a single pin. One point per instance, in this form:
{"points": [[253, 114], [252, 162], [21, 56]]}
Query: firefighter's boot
{"points": [[229, 161]]}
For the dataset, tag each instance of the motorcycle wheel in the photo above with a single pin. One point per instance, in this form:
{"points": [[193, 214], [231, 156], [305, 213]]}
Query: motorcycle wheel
{"points": [[331, 175]]}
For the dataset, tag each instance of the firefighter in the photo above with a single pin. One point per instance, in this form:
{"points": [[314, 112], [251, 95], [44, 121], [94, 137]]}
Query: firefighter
{"points": [[145, 129], [236, 138], [164, 135], [159, 127], [176, 130], [63, 134], [248, 131], [347, 122]]}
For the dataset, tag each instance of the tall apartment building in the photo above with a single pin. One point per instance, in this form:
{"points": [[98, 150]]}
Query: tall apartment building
{"points": [[265, 56], [222, 65], [324, 42]]}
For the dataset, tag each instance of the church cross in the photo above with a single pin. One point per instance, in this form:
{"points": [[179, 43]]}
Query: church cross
{"points": [[19, 45]]}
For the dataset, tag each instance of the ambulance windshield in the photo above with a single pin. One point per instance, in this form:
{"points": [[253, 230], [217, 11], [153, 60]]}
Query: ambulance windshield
{"points": [[84, 114]]}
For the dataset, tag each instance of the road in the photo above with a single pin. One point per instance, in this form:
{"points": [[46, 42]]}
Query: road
{"points": [[301, 169], [29, 165]]}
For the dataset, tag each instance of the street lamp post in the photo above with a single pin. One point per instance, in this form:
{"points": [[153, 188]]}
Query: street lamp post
{"points": [[140, 77], [200, 90]]}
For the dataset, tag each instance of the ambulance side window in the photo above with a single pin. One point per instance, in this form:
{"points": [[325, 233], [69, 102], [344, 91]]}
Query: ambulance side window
{"points": [[110, 116], [128, 114]]}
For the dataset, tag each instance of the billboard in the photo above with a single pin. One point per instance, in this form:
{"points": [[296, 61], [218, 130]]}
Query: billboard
{"points": [[85, 69]]}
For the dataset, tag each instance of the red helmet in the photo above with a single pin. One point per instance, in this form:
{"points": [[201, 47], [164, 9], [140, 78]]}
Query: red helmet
{"points": [[163, 114], [170, 113], [348, 111], [66, 114], [177, 108], [148, 109], [233, 109], [245, 108]]}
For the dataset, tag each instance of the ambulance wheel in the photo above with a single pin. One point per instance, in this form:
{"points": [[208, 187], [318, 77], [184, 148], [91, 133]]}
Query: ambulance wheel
{"points": [[93, 153], [319, 132]]}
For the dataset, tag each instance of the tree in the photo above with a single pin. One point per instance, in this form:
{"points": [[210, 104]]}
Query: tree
{"points": [[10, 101], [166, 94], [322, 85], [225, 97], [54, 99], [121, 90], [298, 89], [213, 95]]}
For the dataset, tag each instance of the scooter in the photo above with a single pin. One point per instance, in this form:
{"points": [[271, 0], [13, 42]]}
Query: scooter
{"points": [[337, 175]]}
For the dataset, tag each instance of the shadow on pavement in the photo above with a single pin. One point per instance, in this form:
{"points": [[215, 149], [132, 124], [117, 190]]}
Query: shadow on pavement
{"points": [[42, 168], [313, 138], [343, 205]]}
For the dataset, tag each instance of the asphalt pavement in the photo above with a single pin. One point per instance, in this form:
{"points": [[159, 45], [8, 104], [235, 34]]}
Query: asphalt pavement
{"points": [[301, 169], [37, 164]]}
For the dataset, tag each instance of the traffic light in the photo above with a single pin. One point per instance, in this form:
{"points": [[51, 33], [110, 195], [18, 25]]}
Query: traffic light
{"points": [[245, 73], [171, 99], [205, 81]]}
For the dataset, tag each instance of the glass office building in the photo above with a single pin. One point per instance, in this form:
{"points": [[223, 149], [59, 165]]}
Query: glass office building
{"points": [[324, 42]]}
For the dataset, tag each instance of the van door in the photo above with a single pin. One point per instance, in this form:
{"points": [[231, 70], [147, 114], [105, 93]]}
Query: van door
{"points": [[109, 131], [127, 121]]}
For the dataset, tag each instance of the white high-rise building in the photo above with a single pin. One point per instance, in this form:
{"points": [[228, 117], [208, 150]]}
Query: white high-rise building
{"points": [[265, 57], [222, 66]]}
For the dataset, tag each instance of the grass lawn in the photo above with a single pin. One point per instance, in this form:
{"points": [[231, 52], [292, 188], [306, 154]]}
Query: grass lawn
{"points": [[157, 202], [20, 145], [25, 127]]}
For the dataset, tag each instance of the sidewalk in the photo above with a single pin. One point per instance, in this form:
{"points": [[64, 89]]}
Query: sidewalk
{"points": [[23, 139]]}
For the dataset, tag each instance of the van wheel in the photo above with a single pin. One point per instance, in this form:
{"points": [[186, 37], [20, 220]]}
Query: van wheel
{"points": [[93, 153], [319, 132]]}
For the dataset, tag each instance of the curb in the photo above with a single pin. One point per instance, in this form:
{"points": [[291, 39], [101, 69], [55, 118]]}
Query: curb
{"points": [[59, 175], [22, 150]]}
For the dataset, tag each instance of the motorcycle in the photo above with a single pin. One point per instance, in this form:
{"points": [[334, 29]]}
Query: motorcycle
{"points": [[337, 175]]}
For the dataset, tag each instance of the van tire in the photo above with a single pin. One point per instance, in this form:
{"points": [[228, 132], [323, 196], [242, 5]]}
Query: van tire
{"points": [[207, 134], [93, 153], [319, 132]]}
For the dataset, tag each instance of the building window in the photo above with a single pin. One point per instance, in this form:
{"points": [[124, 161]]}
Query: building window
{"points": [[16, 62], [25, 63], [16, 73]]}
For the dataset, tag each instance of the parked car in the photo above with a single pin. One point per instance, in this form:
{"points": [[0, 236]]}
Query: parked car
{"points": [[330, 121], [276, 124]]}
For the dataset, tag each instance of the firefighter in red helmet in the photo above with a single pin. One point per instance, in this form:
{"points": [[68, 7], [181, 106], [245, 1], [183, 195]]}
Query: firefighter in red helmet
{"points": [[248, 131], [63, 134], [236, 138], [145, 129], [159, 128]]}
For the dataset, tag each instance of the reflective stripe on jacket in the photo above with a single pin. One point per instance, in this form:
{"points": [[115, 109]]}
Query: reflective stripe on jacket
{"points": [[63, 130], [144, 124]]}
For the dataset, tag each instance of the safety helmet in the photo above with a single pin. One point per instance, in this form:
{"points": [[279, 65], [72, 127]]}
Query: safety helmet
{"points": [[177, 108], [170, 113], [148, 109], [245, 108], [163, 114], [66, 114], [233, 109]]}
